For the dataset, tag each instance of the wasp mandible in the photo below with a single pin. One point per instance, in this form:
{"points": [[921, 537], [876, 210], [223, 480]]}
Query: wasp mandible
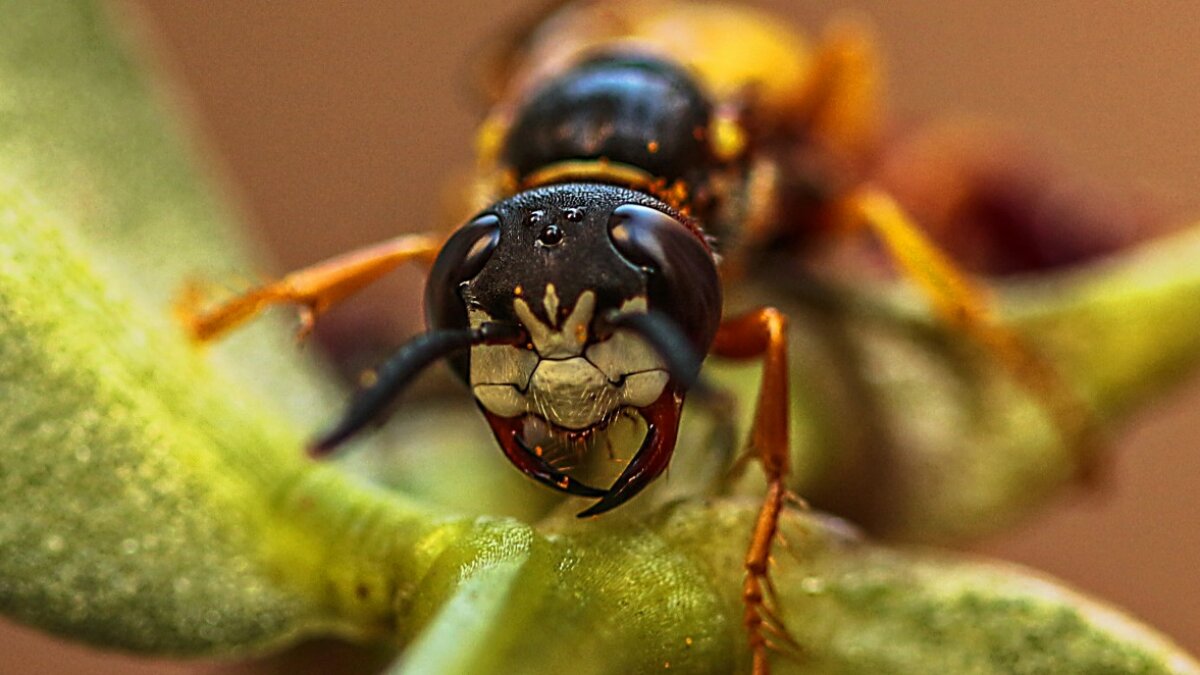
{"points": [[639, 156]]}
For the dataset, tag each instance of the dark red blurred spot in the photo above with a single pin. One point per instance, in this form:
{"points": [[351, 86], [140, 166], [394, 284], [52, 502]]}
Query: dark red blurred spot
{"points": [[999, 208]]}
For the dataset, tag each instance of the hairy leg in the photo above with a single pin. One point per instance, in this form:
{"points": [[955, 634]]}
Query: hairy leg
{"points": [[762, 334]]}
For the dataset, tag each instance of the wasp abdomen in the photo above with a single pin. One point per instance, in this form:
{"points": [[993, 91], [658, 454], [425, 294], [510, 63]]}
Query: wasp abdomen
{"points": [[639, 111]]}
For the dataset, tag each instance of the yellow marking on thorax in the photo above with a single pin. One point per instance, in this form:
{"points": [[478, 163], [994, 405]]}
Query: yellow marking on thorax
{"points": [[675, 193], [599, 170], [489, 138], [727, 138], [731, 50]]}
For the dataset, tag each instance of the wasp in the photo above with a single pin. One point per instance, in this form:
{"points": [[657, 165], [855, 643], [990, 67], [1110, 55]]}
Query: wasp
{"points": [[637, 158]]}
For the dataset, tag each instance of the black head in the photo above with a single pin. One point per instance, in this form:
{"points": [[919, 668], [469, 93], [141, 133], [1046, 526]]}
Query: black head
{"points": [[614, 299], [547, 248]]}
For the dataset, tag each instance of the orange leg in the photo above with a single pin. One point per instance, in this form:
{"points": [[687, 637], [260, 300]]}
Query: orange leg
{"points": [[966, 307], [763, 333], [314, 289]]}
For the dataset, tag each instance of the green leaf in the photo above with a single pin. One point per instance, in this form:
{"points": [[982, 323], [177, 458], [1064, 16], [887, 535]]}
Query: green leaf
{"points": [[122, 519], [106, 494], [1124, 328], [630, 596], [153, 496], [83, 136]]}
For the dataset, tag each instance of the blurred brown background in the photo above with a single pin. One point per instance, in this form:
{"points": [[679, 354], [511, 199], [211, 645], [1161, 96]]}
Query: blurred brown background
{"points": [[336, 124]]}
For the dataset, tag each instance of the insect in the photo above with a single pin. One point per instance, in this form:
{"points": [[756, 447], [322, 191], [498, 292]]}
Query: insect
{"points": [[637, 158]]}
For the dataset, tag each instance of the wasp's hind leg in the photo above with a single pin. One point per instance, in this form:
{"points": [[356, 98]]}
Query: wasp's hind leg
{"points": [[966, 307], [313, 289], [762, 334]]}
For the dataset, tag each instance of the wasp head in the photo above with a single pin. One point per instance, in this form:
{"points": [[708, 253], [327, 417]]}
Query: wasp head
{"points": [[609, 287]]}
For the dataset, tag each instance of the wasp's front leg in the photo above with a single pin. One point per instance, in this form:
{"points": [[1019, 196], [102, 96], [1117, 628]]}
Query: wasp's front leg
{"points": [[762, 334], [313, 289]]}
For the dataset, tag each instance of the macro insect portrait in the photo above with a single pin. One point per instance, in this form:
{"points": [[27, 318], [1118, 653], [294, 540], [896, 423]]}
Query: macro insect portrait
{"points": [[735, 324]]}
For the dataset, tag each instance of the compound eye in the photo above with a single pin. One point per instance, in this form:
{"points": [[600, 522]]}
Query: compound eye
{"points": [[681, 273], [638, 232], [477, 239], [459, 261]]}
